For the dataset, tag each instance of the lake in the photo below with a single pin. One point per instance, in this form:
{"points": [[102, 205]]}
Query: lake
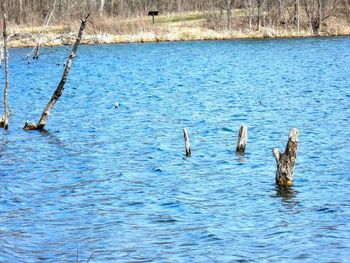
{"points": [[115, 185]]}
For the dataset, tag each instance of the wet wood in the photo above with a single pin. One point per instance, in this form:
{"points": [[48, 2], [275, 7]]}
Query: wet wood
{"points": [[286, 161], [37, 51], [59, 90], [187, 143], [4, 119], [242, 139]]}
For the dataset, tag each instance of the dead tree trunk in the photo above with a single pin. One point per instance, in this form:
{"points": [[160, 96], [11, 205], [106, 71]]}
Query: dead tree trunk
{"points": [[187, 143], [59, 90], [102, 5], [297, 15], [242, 139], [46, 24], [319, 17], [250, 9], [259, 14], [229, 4], [286, 161], [4, 119]]}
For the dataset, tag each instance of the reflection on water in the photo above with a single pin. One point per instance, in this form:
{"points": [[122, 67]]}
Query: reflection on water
{"points": [[286, 193], [117, 185]]}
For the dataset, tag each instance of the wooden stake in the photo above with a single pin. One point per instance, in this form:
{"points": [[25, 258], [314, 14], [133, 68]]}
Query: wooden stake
{"points": [[4, 119], [242, 139], [59, 90], [187, 143], [286, 161]]}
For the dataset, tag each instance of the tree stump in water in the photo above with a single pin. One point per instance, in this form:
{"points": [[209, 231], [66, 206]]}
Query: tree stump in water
{"points": [[286, 161], [242, 139], [187, 143]]}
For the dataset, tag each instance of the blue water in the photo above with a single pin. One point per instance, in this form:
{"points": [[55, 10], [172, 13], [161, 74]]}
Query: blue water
{"points": [[115, 185]]}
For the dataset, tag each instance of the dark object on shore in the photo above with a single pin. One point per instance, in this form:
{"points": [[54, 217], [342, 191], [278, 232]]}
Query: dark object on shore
{"points": [[242, 139], [187, 143], [286, 161], [4, 119], [59, 90], [153, 14]]}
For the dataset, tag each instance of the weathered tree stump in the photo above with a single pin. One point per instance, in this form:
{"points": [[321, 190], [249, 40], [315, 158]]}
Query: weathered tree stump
{"points": [[187, 143], [242, 139], [59, 90], [286, 161]]}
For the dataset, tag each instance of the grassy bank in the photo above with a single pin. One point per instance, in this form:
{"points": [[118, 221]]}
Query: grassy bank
{"points": [[176, 27]]}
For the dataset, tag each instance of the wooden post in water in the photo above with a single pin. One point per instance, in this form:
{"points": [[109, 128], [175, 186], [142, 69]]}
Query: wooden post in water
{"points": [[187, 143], [4, 119], [59, 90], [242, 139], [286, 161]]}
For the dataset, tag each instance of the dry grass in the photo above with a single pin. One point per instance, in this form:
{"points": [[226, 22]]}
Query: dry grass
{"points": [[177, 27]]}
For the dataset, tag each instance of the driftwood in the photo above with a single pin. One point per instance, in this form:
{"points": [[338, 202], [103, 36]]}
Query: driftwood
{"points": [[187, 143], [286, 161], [4, 119], [59, 90], [242, 139]]}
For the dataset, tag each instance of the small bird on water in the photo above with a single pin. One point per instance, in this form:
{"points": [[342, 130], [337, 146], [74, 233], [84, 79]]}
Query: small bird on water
{"points": [[116, 105]]}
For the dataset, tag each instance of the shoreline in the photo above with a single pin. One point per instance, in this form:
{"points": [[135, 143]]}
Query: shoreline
{"points": [[99, 39]]}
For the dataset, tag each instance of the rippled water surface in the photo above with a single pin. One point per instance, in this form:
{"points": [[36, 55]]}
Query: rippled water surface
{"points": [[115, 185]]}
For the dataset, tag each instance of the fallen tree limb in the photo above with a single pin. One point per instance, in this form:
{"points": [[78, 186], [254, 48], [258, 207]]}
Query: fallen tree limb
{"points": [[59, 90]]}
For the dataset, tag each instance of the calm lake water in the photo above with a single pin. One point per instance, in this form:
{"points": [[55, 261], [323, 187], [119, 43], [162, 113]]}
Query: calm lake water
{"points": [[116, 185]]}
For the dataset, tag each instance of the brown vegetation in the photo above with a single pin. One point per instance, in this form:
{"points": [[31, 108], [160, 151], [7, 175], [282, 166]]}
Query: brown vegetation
{"points": [[53, 22]]}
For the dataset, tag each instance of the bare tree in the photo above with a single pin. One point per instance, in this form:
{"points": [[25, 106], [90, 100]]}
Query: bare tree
{"points": [[297, 15], [59, 90], [319, 11], [229, 6], [102, 5], [250, 13]]}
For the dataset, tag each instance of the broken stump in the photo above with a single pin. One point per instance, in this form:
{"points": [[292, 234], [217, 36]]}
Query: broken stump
{"points": [[242, 139], [286, 161], [187, 143]]}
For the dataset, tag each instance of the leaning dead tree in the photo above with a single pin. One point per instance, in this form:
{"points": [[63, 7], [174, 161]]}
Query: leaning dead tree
{"points": [[59, 90], [4, 118], [286, 161], [46, 24]]}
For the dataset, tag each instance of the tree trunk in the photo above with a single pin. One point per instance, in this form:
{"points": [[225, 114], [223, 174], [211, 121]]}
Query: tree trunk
{"points": [[242, 139], [250, 6], [229, 14], [297, 15], [102, 6], [4, 120], [286, 161], [20, 11], [319, 17], [259, 9], [59, 90], [309, 15]]}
